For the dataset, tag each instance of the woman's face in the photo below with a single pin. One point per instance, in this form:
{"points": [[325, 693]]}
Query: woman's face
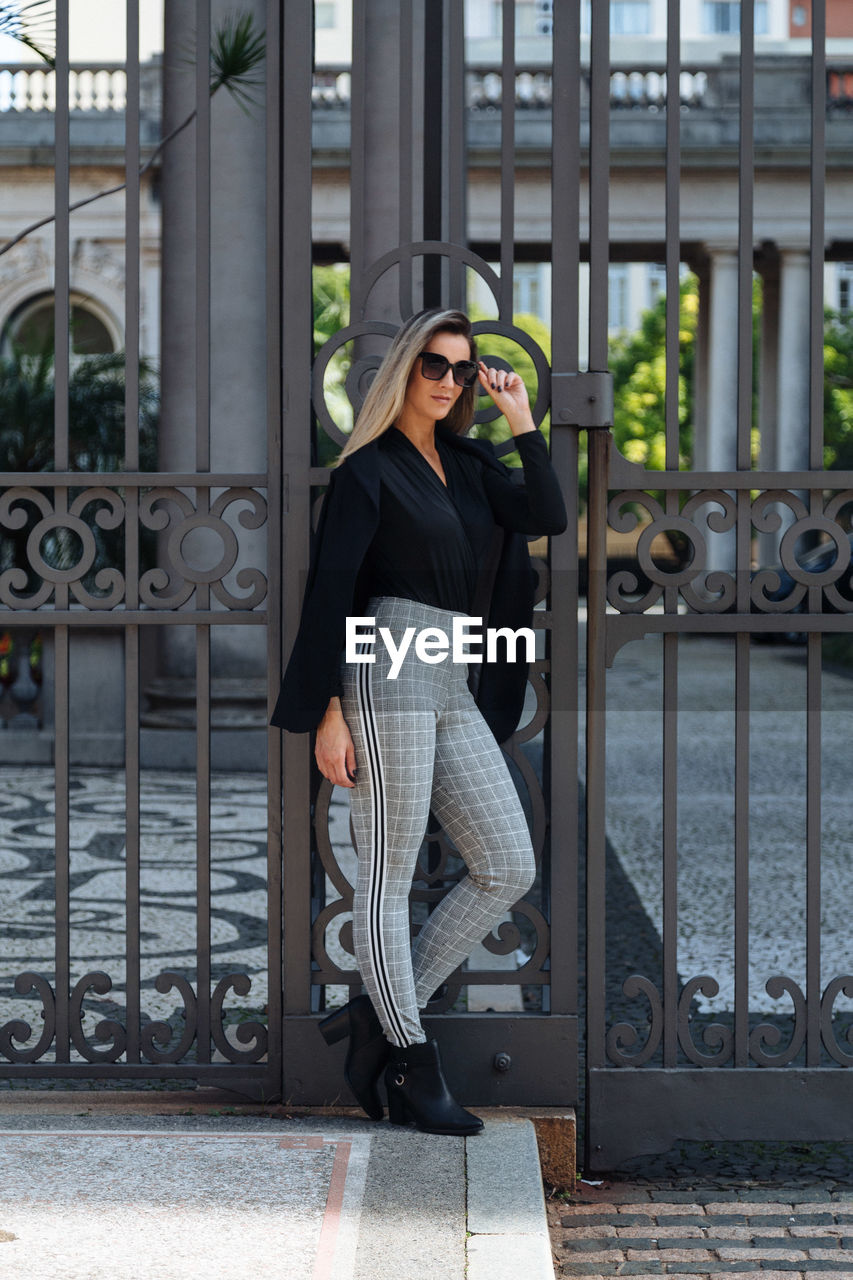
{"points": [[430, 399]]}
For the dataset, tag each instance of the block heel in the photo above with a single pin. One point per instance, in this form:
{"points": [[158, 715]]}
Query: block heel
{"points": [[367, 1052], [335, 1026]]}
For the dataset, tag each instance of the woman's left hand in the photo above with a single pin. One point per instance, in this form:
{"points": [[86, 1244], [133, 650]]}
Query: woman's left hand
{"points": [[510, 395]]}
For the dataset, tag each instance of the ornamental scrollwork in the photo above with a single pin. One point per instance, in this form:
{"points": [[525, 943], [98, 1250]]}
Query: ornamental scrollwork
{"points": [[66, 546], [161, 1042], [769, 1045], [170, 513], [106, 1029], [20, 1031], [842, 1054], [253, 1034], [809, 568], [156, 1037], [767, 1035], [622, 1036]]}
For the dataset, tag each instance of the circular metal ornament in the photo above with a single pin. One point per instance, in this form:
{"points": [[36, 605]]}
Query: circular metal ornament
{"points": [[787, 551], [74, 525], [222, 531]]}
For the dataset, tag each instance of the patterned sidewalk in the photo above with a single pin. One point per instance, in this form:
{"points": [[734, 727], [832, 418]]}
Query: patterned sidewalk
{"points": [[98, 889]]}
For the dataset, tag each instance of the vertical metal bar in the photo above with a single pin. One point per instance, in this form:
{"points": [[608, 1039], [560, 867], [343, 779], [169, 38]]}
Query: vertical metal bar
{"points": [[746, 165], [202, 232], [433, 134], [296, 454], [817, 233], [406, 233], [202, 667], [814, 677], [563, 721], [599, 184], [131, 533], [202, 453], [358, 158], [62, 171], [746, 179], [598, 445], [274, 102], [595, 749], [132, 838], [457, 175], [673, 228], [61, 301], [131, 242], [507, 159], [565, 171], [63, 845], [741, 867], [813, 846], [670, 849]]}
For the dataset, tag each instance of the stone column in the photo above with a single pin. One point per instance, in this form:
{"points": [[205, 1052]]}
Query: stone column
{"points": [[792, 435], [700, 370], [238, 326], [788, 434], [177, 203], [768, 367], [768, 388], [238, 352], [719, 451], [721, 434]]}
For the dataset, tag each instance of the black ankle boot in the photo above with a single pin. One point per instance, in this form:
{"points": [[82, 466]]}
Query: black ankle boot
{"points": [[367, 1053], [417, 1091]]}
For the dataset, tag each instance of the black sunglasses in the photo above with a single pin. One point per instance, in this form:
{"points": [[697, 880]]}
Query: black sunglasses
{"points": [[435, 366]]}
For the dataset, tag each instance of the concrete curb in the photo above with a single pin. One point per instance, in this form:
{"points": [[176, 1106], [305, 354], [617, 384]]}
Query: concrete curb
{"points": [[507, 1225]]}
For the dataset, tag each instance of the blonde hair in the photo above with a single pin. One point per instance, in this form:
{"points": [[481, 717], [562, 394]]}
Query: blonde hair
{"points": [[384, 400]]}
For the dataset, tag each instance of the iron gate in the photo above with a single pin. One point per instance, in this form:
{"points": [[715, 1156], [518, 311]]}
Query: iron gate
{"points": [[415, 238], [409, 248], [666, 1058], [125, 859]]}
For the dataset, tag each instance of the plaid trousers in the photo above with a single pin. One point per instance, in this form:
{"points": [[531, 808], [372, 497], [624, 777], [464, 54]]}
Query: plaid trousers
{"points": [[421, 743]]}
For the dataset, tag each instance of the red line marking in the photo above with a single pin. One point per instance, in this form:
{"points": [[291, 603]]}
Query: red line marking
{"points": [[332, 1216]]}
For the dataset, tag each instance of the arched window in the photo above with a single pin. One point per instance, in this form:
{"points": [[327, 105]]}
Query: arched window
{"points": [[30, 328]]}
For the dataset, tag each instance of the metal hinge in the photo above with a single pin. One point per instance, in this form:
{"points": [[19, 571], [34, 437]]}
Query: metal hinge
{"points": [[582, 399]]}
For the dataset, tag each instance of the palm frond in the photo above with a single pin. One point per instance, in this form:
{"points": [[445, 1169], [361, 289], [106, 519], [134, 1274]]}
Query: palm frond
{"points": [[33, 24], [236, 55]]}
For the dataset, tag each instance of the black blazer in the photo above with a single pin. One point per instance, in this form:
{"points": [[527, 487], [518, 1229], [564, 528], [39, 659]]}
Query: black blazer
{"points": [[336, 589]]}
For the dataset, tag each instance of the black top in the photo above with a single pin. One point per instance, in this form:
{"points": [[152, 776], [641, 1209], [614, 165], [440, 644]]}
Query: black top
{"points": [[433, 538], [349, 521]]}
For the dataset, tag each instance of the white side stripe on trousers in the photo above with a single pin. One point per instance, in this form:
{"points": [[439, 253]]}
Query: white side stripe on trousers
{"points": [[378, 851]]}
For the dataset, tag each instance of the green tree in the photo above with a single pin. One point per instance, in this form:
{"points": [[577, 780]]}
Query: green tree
{"points": [[519, 359], [96, 411], [331, 306], [838, 391], [638, 364]]}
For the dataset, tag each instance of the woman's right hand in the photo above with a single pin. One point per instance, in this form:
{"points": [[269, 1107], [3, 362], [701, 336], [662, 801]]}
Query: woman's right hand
{"points": [[333, 749]]}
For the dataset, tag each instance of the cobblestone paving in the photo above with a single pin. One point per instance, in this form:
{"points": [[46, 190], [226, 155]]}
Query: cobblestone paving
{"points": [[763, 1210]]}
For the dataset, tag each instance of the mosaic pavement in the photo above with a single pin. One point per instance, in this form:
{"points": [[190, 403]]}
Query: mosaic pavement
{"points": [[167, 884]]}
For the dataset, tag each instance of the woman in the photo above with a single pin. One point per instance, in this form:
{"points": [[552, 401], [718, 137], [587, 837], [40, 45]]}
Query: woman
{"points": [[420, 526]]}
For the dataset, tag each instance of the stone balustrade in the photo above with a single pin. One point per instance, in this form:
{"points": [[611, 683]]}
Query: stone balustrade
{"points": [[101, 87]]}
